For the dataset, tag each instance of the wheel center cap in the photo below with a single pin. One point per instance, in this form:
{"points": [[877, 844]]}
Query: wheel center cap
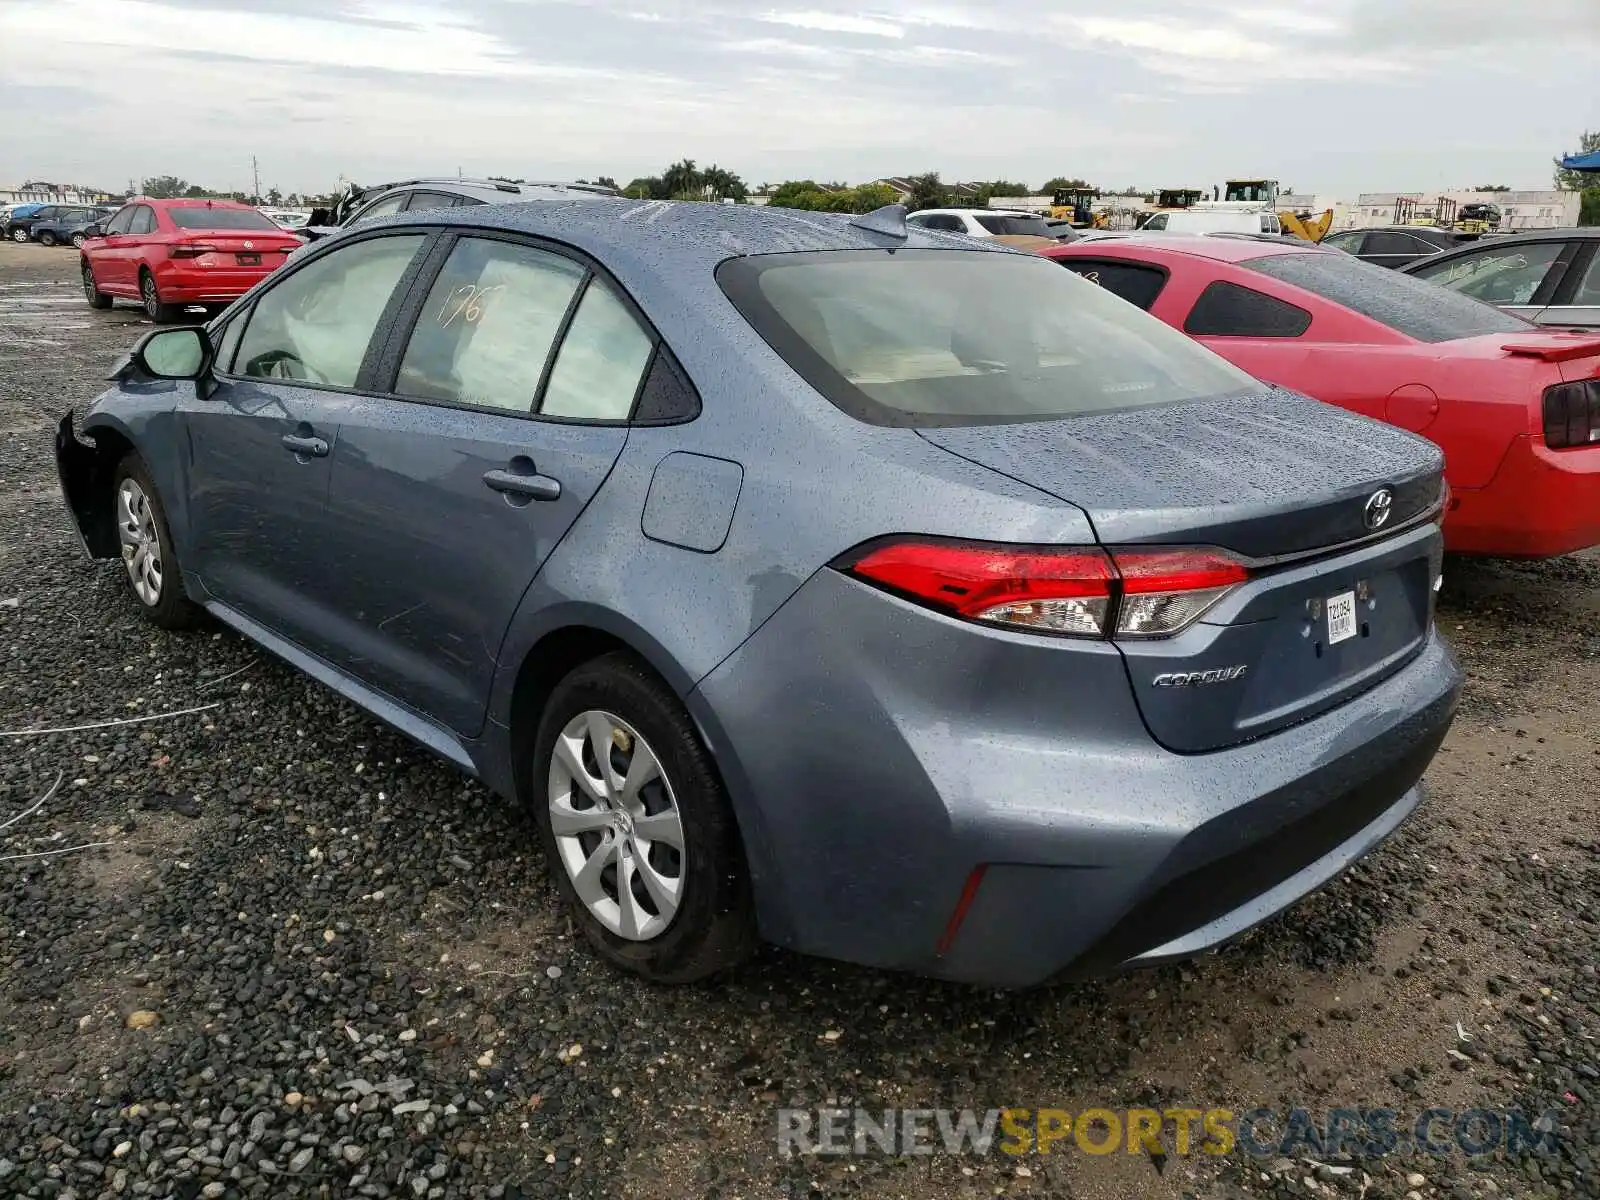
{"points": [[622, 823]]}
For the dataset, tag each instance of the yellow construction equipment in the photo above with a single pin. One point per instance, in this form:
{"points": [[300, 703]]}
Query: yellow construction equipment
{"points": [[1264, 192], [1077, 205], [1178, 197], [1304, 226]]}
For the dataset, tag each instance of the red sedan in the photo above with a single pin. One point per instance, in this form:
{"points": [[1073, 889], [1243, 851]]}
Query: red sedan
{"points": [[1515, 408], [171, 254]]}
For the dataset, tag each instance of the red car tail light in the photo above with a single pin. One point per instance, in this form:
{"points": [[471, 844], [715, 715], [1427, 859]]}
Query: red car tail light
{"points": [[1572, 414], [192, 250], [1078, 591]]}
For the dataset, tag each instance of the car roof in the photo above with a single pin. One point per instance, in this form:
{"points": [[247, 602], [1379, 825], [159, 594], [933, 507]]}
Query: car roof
{"points": [[1528, 237], [1219, 249], [496, 191]]}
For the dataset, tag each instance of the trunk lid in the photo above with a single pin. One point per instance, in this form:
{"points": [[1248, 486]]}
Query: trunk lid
{"points": [[1332, 606], [236, 247]]}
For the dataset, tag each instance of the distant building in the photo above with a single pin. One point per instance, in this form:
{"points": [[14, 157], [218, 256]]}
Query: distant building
{"points": [[40, 192], [1518, 210], [900, 185]]}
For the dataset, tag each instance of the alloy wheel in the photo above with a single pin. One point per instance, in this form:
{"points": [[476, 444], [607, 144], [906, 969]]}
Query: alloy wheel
{"points": [[78, 239], [19, 235], [141, 547], [616, 824], [152, 299], [88, 283]]}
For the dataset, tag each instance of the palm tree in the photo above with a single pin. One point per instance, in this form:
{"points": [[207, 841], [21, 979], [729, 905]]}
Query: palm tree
{"points": [[682, 177]]}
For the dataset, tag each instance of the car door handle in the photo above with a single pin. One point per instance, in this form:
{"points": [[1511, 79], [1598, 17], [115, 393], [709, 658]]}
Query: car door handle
{"points": [[315, 447], [533, 487]]}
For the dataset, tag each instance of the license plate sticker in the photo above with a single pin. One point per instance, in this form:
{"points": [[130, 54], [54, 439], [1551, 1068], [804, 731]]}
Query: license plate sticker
{"points": [[1341, 617]]}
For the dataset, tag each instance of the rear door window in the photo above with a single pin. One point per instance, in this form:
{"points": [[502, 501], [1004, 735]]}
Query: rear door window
{"points": [[144, 220], [1134, 282], [1499, 274], [120, 222], [1227, 309], [486, 330], [1389, 242], [381, 208], [422, 201], [315, 324]]}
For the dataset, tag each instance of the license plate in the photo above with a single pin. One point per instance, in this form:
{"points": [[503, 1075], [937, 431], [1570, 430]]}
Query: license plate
{"points": [[250, 260], [1341, 617]]}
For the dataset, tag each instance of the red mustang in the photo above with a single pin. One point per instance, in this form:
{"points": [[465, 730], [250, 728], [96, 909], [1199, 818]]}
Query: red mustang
{"points": [[1515, 408], [169, 254]]}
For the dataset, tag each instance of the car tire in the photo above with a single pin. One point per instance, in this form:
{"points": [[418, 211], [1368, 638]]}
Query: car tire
{"points": [[707, 923], [91, 293], [150, 564], [19, 236], [78, 240], [47, 238], [155, 308]]}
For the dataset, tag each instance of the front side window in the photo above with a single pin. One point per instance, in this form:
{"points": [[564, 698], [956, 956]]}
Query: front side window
{"points": [[1343, 241], [120, 222], [144, 220], [1403, 302], [486, 330], [1157, 222], [314, 326], [942, 337], [1226, 309], [1497, 275], [1137, 284], [1386, 241], [601, 361], [381, 208]]}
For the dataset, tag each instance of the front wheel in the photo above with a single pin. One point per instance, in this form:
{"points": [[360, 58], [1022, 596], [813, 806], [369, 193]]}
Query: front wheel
{"points": [[91, 293], [637, 827], [147, 554], [19, 235], [78, 240]]}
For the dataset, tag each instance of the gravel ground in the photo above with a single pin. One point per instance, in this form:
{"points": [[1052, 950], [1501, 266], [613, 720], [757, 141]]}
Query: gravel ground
{"points": [[300, 957]]}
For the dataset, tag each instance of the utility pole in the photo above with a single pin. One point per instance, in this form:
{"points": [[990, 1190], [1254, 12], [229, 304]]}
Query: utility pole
{"points": [[255, 171]]}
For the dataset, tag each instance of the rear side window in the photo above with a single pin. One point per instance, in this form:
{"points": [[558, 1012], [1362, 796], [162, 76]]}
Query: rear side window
{"points": [[1228, 310], [1135, 283], [486, 330], [1007, 224], [1404, 303], [601, 361], [942, 337], [315, 324]]}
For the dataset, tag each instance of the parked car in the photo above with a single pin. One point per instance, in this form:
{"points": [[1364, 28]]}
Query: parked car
{"points": [[1515, 408], [1213, 220], [983, 222], [67, 226], [287, 218], [1551, 277], [19, 221], [173, 254], [1393, 245], [1061, 229], [417, 195], [736, 541]]}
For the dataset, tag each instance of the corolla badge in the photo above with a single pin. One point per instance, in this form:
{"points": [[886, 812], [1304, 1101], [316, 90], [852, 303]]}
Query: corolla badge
{"points": [[1379, 505], [1173, 679]]}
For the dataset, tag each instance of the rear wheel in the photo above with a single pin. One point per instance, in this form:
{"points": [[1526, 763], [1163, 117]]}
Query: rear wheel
{"points": [[637, 827], [19, 235], [47, 238], [147, 554], [95, 297], [155, 308]]}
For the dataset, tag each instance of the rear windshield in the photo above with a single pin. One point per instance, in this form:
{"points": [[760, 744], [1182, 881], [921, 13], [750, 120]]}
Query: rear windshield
{"points": [[946, 337], [1028, 226], [1411, 306], [198, 216]]}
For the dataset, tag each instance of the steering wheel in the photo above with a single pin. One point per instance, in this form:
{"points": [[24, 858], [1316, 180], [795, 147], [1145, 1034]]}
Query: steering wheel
{"points": [[284, 363]]}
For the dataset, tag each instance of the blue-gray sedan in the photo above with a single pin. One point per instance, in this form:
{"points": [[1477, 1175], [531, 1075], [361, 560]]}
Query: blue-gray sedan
{"points": [[885, 595]]}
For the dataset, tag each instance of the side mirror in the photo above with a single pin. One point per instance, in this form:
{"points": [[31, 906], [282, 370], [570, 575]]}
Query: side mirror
{"points": [[183, 353]]}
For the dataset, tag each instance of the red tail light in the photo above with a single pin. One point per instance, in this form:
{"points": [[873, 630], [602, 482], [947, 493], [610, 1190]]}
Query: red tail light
{"points": [[1079, 591], [1572, 414], [192, 250]]}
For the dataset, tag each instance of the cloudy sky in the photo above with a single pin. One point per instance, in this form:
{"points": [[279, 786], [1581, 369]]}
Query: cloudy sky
{"points": [[1337, 96]]}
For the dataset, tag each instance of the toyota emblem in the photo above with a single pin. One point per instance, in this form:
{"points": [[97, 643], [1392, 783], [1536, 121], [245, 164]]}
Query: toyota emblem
{"points": [[1379, 505]]}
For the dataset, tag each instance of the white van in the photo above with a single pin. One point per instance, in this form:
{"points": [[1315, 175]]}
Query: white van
{"points": [[1214, 220]]}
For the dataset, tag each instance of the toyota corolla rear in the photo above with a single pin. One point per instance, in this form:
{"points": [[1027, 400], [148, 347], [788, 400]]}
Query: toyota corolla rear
{"points": [[217, 253], [996, 762]]}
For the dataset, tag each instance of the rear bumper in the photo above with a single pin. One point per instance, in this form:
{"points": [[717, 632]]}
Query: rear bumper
{"points": [[1541, 503], [208, 285], [878, 753]]}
